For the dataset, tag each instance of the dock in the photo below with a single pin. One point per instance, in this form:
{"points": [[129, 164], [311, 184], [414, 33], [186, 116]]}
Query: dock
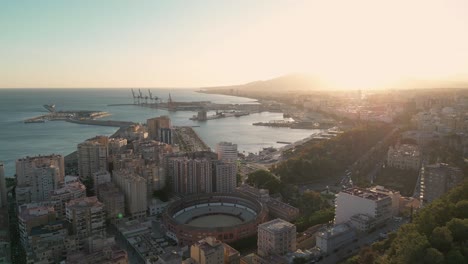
{"points": [[111, 123], [188, 140], [84, 117]]}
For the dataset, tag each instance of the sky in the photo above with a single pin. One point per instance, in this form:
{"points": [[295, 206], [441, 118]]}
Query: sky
{"points": [[176, 43]]}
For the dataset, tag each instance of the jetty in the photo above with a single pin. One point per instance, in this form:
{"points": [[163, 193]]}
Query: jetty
{"points": [[84, 117]]}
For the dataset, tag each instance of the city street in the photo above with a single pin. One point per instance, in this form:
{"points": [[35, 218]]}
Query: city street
{"points": [[364, 239]]}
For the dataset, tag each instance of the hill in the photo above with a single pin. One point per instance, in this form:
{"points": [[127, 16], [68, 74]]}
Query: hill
{"points": [[283, 84]]}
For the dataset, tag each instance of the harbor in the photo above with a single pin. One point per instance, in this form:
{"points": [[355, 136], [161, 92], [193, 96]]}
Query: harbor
{"points": [[203, 115]]}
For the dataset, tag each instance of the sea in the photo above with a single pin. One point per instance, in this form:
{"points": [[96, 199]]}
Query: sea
{"points": [[18, 139]]}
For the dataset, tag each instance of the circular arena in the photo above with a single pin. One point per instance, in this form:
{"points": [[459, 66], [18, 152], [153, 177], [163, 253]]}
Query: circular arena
{"points": [[228, 217]]}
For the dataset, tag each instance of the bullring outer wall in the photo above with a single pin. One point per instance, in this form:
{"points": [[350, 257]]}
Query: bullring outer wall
{"points": [[188, 234]]}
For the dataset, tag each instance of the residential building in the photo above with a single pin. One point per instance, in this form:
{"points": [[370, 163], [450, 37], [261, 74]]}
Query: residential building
{"points": [[226, 151], [394, 195], [155, 124], [157, 207], [226, 177], [354, 201], [100, 177], [116, 145], [99, 250], [405, 157], [68, 192], [37, 176], [231, 255], [113, 200], [207, 251], [92, 156], [282, 210], [191, 175], [135, 190], [33, 215], [362, 222], [276, 237], [331, 238], [437, 179], [47, 242], [86, 216], [166, 135], [276, 208], [3, 189], [5, 242]]}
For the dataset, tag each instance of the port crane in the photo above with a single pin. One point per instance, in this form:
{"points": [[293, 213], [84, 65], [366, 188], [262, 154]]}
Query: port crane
{"points": [[140, 96], [136, 99], [155, 99]]}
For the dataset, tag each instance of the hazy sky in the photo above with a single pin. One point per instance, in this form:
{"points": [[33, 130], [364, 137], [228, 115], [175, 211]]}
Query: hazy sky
{"points": [[112, 43]]}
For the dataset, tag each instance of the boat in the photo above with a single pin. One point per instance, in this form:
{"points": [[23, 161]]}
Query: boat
{"points": [[50, 108]]}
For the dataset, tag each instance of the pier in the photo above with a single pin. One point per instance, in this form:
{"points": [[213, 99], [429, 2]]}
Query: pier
{"points": [[111, 123], [188, 140], [78, 117]]}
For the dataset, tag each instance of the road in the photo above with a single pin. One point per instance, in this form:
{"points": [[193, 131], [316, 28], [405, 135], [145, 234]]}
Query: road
{"points": [[364, 239]]}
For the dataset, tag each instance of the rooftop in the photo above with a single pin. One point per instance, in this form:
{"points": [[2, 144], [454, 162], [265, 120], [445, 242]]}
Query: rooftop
{"points": [[209, 245], [364, 193], [84, 202], [70, 188], [334, 231], [27, 212], [276, 225]]}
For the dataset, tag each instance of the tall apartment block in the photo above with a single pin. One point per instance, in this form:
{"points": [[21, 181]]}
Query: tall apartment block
{"points": [[437, 179], [92, 156], [155, 124], [166, 135], [226, 151], [100, 177], [38, 176], [135, 190], [226, 176], [276, 237], [191, 175], [86, 216], [3, 189], [113, 200]]}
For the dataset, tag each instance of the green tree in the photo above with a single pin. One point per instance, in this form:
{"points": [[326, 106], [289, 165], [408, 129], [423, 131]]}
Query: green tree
{"points": [[299, 260], [461, 209], [433, 256], [367, 256], [265, 180], [459, 229], [161, 195], [441, 238], [409, 246], [455, 257]]}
